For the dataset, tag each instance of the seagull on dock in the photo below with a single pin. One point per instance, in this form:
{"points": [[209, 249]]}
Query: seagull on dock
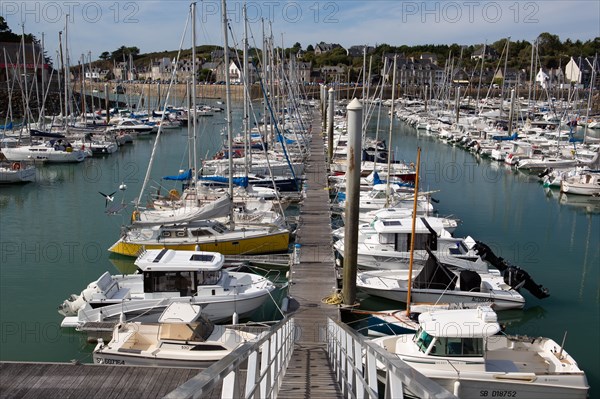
{"points": [[107, 198]]}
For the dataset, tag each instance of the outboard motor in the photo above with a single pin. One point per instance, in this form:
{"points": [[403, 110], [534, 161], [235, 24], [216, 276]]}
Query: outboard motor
{"points": [[544, 173], [514, 276]]}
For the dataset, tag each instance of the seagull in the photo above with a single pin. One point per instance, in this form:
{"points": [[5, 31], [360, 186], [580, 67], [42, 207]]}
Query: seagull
{"points": [[108, 198]]}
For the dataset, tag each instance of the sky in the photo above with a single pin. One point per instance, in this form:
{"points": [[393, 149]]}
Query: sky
{"points": [[97, 26]]}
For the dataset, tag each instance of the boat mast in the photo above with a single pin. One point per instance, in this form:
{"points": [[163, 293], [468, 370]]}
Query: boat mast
{"points": [[412, 235], [26, 93], [389, 153], [589, 102], [228, 107], [246, 83], [193, 94]]}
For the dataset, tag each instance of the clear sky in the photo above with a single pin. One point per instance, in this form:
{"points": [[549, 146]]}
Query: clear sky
{"points": [[97, 26]]}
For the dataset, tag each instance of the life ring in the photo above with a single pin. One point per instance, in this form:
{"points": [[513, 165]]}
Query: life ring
{"points": [[16, 166], [135, 216], [173, 195]]}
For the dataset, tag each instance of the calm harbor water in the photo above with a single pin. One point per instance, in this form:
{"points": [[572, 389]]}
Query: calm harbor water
{"points": [[54, 236]]}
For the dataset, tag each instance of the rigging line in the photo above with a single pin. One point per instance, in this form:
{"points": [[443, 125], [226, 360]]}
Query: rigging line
{"points": [[279, 135], [173, 74]]}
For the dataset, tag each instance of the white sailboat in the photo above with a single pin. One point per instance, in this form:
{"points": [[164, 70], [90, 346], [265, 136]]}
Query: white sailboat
{"points": [[16, 172]]}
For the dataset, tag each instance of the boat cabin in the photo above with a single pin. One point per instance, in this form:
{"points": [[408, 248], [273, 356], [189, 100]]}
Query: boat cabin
{"points": [[456, 333], [398, 232], [185, 272], [203, 230]]}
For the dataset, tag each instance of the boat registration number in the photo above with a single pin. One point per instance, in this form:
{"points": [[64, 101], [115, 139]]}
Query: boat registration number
{"points": [[498, 394], [110, 361]]}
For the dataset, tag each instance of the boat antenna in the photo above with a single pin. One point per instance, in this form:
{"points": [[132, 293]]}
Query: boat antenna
{"points": [[562, 345], [412, 235]]}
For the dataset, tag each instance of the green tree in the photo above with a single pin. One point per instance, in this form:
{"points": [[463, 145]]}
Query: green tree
{"points": [[310, 48], [122, 53], [104, 56], [3, 25]]}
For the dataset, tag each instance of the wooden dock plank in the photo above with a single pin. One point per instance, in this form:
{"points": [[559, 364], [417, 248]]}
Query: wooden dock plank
{"points": [[64, 380]]}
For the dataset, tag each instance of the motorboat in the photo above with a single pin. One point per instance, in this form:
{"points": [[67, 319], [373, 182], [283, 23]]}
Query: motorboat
{"points": [[131, 126], [436, 283], [183, 337], [388, 245], [166, 276], [465, 351]]}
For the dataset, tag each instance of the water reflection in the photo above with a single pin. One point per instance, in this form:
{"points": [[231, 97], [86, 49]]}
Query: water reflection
{"points": [[585, 203], [124, 264]]}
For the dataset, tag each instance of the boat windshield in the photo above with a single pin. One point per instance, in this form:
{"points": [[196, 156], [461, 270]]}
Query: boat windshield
{"points": [[423, 340], [198, 331], [208, 277], [459, 347]]}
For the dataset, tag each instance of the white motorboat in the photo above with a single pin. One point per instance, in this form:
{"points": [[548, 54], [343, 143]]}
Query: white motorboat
{"points": [[131, 126], [462, 351], [167, 276], [539, 164], [387, 245], [436, 283], [582, 184], [183, 337], [16, 172]]}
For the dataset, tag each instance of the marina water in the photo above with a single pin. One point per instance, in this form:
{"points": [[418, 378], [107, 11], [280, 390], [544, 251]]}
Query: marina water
{"points": [[54, 236]]}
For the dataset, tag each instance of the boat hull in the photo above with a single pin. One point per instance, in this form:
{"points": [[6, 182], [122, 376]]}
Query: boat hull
{"points": [[579, 189], [218, 309], [115, 359], [547, 386], [274, 243], [434, 296]]}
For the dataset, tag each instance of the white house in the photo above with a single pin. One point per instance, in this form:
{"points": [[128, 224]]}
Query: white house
{"points": [[572, 72], [543, 79]]}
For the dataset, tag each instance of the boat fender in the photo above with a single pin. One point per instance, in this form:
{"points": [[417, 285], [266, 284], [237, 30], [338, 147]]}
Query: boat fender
{"points": [[16, 166], [285, 304], [234, 318], [456, 387]]}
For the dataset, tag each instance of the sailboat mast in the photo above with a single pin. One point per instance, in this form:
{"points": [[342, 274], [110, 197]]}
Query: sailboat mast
{"points": [[26, 93], [246, 83], [389, 154], [228, 105], [412, 235], [193, 93]]}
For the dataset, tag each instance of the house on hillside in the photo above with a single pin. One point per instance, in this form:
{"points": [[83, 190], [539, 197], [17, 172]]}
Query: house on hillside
{"points": [[487, 53], [321, 48], [513, 76], [429, 57], [411, 71], [358, 51]]}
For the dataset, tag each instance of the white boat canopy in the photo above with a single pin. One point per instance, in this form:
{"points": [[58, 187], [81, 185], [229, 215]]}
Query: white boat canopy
{"points": [[171, 260], [462, 323]]}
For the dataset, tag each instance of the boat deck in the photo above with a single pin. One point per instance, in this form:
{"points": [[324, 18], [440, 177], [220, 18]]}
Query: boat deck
{"points": [[309, 374]]}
